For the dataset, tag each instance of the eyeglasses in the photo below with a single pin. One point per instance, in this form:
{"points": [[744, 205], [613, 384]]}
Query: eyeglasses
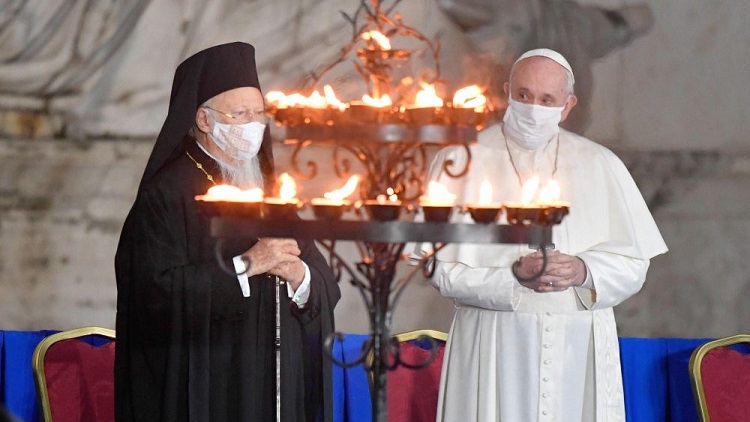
{"points": [[245, 116]]}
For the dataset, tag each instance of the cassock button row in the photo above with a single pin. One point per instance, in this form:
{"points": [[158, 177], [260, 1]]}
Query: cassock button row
{"points": [[549, 313], [546, 345], [545, 379], [547, 362], [545, 412], [548, 329], [545, 395]]}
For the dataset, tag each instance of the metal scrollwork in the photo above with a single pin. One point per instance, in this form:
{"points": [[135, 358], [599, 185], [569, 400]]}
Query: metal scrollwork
{"points": [[448, 164], [374, 278], [311, 165]]}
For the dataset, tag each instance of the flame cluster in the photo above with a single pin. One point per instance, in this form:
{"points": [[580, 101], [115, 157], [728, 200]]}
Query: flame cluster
{"points": [[470, 97], [532, 194], [467, 97]]}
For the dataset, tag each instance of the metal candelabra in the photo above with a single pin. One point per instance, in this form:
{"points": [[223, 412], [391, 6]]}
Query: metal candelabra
{"points": [[380, 238]]}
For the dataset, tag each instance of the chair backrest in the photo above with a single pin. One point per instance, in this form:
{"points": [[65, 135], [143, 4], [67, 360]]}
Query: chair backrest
{"points": [[720, 377], [74, 374], [412, 394]]}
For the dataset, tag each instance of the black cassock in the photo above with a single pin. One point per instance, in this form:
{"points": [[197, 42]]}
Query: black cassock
{"points": [[189, 345]]}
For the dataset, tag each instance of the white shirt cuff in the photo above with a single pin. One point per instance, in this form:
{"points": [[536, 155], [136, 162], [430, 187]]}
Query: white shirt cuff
{"points": [[302, 295], [588, 283], [240, 266]]}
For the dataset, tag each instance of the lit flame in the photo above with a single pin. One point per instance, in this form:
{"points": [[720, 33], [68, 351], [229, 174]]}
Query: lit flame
{"points": [[233, 194], [437, 193], [275, 98], [280, 100], [340, 194], [470, 97], [379, 38], [315, 100], [389, 196], [467, 97], [288, 189], [427, 97], [333, 101], [384, 101], [550, 193], [485, 193], [528, 190]]}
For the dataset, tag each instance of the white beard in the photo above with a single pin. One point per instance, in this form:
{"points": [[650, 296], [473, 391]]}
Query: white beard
{"points": [[246, 175]]}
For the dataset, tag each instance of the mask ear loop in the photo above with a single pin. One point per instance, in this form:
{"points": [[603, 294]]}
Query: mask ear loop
{"points": [[213, 118]]}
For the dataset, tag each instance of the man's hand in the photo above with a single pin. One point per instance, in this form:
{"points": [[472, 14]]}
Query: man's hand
{"points": [[562, 271], [292, 272], [275, 256]]}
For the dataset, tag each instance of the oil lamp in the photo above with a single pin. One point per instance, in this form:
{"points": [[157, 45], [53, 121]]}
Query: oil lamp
{"points": [[544, 208], [553, 209], [428, 107], [468, 107], [372, 110], [385, 207], [334, 203], [437, 205], [485, 211], [232, 201], [284, 206]]}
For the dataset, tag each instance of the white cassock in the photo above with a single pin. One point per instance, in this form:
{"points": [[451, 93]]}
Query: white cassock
{"points": [[513, 354]]}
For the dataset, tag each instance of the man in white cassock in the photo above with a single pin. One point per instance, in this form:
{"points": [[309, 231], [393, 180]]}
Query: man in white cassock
{"points": [[547, 349]]}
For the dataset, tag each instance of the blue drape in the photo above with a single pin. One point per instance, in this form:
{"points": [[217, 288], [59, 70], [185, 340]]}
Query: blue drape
{"points": [[656, 380], [17, 385], [350, 384], [655, 377]]}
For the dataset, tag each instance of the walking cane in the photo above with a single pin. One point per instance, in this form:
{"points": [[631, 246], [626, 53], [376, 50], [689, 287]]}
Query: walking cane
{"points": [[277, 344]]}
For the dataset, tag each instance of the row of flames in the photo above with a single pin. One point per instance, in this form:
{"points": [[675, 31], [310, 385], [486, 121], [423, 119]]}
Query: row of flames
{"points": [[470, 97], [436, 194]]}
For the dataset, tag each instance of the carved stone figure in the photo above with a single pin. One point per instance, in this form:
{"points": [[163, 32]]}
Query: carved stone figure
{"points": [[97, 68]]}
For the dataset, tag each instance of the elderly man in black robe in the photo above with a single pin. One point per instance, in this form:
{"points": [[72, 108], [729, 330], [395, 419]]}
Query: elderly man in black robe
{"points": [[195, 342]]}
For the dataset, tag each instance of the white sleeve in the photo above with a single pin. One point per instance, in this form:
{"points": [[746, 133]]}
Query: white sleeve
{"points": [[241, 267], [487, 287], [302, 294], [614, 278]]}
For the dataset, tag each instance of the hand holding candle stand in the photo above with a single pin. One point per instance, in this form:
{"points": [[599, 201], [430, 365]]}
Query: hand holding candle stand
{"points": [[546, 270]]}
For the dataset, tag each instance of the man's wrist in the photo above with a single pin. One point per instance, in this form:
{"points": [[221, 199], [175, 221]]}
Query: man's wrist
{"points": [[514, 269], [587, 282]]}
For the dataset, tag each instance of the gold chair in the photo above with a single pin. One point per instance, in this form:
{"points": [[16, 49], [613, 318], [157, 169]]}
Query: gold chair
{"points": [[75, 379], [720, 377], [414, 335]]}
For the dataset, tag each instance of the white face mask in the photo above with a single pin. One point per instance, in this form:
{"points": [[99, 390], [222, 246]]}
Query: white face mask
{"points": [[241, 142], [531, 125]]}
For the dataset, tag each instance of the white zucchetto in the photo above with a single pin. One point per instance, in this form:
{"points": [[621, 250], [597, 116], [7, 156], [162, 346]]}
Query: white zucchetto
{"points": [[550, 54]]}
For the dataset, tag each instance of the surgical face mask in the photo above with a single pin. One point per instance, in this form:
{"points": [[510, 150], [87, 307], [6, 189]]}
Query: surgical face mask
{"points": [[241, 142], [531, 125]]}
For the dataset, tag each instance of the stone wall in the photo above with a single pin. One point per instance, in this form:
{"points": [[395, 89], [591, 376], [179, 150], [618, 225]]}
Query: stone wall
{"points": [[673, 105], [63, 204]]}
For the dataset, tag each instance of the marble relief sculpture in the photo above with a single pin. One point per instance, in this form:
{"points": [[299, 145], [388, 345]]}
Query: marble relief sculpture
{"points": [[86, 68]]}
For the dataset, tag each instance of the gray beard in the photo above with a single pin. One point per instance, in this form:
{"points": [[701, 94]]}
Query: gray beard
{"points": [[246, 175]]}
